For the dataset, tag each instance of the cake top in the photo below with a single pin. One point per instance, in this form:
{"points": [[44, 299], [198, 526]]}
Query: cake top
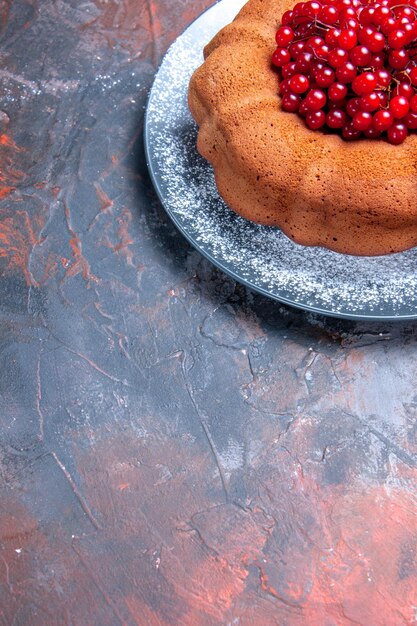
{"points": [[350, 66]]}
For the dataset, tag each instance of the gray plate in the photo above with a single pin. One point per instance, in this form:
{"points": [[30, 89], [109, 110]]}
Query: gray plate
{"points": [[260, 257]]}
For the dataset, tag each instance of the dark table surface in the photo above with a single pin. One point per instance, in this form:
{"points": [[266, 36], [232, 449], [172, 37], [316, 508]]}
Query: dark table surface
{"points": [[174, 449]]}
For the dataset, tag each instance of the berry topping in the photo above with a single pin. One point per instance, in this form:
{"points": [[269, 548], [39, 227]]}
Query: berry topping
{"points": [[350, 66]]}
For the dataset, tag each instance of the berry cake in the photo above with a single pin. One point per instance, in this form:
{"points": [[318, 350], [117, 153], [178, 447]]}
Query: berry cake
{"points": [[308, 115]]}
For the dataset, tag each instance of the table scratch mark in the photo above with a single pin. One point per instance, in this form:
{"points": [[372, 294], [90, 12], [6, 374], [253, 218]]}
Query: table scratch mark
{"points": [[85, 507]]}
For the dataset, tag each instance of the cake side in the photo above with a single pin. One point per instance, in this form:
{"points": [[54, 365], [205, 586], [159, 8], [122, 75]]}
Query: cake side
{"points": [[356, 198]]}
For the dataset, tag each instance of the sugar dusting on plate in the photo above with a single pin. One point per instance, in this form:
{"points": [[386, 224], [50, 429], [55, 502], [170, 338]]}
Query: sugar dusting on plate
{"points": [[261, 257]]}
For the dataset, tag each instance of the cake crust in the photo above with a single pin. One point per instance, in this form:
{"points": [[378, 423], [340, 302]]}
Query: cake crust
{"points": [[352, 197]]}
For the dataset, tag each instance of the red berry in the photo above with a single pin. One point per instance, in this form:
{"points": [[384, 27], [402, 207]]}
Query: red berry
{"points": [[315, 44], [337, 91], [280, 57], [399, 106], [287, 18], [303, 62], [383, 78], [315, 119], [291, 102], [296, 49], [338, 57], [360, 55], [284, 36], [397, 39], [346, 73], [398, 59], [284, 87], [312, 8], [347, 13], [397, 134], [370, 102], [410, 120], [347, 39], [332, 36], [381, 14], [411, 30], [366, 16], [299, 83], [353, 106], [405, 12], [372, 39], [328, 14], [362, 120], [325, 77], [388, 25], [382, 120], [364, 83], [298, 10], [336, 118], [349, 132], [372, 133], [288, 70], [378, 60], [376, 42], [404, 89], [303, 110], [316, 99], [304, 29]]}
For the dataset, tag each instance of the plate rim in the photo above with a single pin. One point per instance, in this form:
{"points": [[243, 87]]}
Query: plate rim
{"points": [[195, 244]]}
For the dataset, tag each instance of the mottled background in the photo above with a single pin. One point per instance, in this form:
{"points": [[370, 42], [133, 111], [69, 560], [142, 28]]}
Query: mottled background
{"points": [[174, 449]]}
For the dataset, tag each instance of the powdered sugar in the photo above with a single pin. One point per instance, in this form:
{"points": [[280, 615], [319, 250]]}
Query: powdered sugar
{"points": [[263, 258]]}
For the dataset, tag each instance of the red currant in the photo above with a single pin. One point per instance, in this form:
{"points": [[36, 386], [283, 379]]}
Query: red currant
{"points": [[315, 119], [370, 102], [362, 120], [336, 118], [325, 77], [291, 102], [398, 59], [397, 134], [288, 70], [410, 120], [382, 120], [383, 78], [299, 83], [372, 133], [347, 39], [399, 106], [360, 55], [397, 39], [353, 106], [346, 73], [381, 14], [349, 132], [338, 57], [280, 57], [337, 91], [350, 66], [328, 14], [316, 99], [404, 89], [284, 36], [364, 83]]}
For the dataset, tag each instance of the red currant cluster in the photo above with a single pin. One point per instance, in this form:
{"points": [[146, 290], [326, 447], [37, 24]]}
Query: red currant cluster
{"points": [[350, 65]]}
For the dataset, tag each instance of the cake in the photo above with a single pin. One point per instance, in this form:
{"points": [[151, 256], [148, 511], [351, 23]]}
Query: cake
{"points": [[351, 197]]}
